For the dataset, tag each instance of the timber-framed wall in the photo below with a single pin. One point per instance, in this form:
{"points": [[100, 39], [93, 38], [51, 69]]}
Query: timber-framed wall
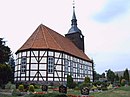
{"points": [[50, 66]]}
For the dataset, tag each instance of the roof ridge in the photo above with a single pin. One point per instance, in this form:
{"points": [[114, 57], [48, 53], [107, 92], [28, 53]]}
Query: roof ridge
{"points": [[54, 38], [44, 36]]}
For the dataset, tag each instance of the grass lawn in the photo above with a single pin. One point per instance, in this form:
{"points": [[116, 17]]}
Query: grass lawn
{"points": [[3, 95], [120, 92]]}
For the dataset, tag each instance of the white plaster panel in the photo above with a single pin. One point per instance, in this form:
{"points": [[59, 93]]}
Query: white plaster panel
{"points": [[50, 53], [23, 75], [50, 79], [43, 73], [34, 66], [56, 79], [43, 60], [35, 53], [27, 73], [27, 67], [41, 53], [32, 73], [58, 67], [22, 79], [57, 54], [42, 66], [33, 60]]}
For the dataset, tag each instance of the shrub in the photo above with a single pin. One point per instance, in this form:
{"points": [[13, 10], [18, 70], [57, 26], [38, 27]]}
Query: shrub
{"points": [[104, 88], [31, 88], [69, 81], [37, 86], [93, 87], [13, 87], [76, 88], [16, 93], [110, 86], [87, 80], [73, 85], [8, 85], [123, 82], [85, 85], [129, 83], [21, 87]]}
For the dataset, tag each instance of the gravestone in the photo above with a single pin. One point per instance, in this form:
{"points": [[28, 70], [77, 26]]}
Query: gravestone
{"points": [[85, 91], [44, 87], [62, 89]]}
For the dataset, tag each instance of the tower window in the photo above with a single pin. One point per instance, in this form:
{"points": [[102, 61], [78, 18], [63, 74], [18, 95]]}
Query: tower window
{"points": [[23, 64], [50, 65]]}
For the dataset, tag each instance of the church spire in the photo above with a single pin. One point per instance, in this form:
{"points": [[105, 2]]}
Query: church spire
{"points": [[74, 27], [74, 20], [74, 34]]}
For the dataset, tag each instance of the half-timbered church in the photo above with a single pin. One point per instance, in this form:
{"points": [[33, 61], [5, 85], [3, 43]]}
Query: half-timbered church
{"points": [[48, 56]]}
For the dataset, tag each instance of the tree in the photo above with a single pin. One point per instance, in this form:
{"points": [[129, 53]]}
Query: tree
{"points": [[5, 74], [5, 52], [110, 76], [12, 65], [87, 80], [103, 75], [96, 76], [69, 81], [5, 69], [126, 75], [116, 77]]}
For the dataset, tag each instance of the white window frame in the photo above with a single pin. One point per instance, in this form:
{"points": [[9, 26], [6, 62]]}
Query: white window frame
{"points": [[50, 65], [23, 64]]}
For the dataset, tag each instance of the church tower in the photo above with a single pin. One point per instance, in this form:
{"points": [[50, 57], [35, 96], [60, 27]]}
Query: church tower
{"points": [[75, 34]]}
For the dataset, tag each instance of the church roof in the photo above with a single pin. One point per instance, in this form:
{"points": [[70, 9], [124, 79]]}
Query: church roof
{"points": [[46, 38]]}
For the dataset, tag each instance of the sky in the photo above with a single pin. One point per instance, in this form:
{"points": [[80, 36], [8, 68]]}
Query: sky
{"points": [[104, 23]]}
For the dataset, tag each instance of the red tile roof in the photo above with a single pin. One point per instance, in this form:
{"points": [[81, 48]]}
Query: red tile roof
{"points": [[45, 38]]}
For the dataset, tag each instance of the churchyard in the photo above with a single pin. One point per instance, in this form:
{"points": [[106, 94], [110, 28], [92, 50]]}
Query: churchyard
{"points": [[36, 90]]}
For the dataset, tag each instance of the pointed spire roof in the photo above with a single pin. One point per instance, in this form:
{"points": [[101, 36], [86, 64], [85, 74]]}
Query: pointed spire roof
{"points": [[74, 28], [45, 38], [74, 16]]}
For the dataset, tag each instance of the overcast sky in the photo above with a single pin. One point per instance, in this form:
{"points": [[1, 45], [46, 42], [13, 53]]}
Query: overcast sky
{"points": [[104, 23]]}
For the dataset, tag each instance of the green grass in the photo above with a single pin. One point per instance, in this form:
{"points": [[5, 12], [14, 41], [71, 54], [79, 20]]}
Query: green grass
{"points": [[75, 92], [120, 92], [3, 95], [38, 90]]}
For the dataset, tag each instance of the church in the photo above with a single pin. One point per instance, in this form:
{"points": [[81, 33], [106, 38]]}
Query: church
{"points": [[47, 56]]}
